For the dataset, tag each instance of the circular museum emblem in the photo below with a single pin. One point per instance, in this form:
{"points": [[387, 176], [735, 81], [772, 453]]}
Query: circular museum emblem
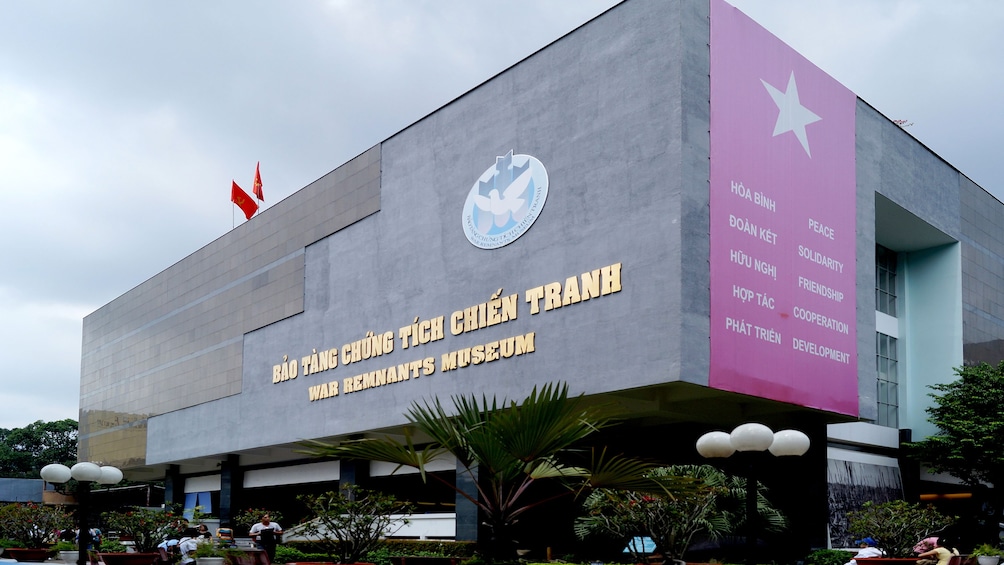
{"points": [[505, 201]]}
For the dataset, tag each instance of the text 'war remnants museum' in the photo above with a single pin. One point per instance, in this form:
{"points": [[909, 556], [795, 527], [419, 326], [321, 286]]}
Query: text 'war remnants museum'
{"points": [[668, 208]]}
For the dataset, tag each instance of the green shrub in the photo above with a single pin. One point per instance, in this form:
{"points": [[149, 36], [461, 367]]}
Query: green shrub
{"points": [[287, 553], [379, 556], [5, 543], [828, 557], [310, 551], [444, 548], [111, 546], [64, 545], [987, 550], [207, 550]]}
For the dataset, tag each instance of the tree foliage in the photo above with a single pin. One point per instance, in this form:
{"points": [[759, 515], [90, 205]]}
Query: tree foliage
{"points": [[351, 522], [506, 447], [968, 413], [24, 451], [147, 526], [715, 509], [897, 525], [251, 516], [34, 525]]}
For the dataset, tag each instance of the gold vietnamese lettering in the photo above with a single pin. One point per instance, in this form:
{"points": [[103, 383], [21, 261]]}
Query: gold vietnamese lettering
{"points": [[389, 375], [322, 391], [592, 284], [287, 370], [498, 310], [491, 351], [421, 332]]}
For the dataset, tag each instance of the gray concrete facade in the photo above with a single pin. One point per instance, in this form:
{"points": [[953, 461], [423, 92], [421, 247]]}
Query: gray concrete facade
{"points": [[618, 112], [143, 351], [619, 194]]}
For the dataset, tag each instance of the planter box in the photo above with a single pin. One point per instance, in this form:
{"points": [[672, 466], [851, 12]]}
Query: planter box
{"points": [[129, 558], [35, 555], [413, 560]]}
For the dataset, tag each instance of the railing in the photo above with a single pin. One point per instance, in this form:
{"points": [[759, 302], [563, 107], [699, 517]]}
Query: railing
{"points": [[418, 526]]}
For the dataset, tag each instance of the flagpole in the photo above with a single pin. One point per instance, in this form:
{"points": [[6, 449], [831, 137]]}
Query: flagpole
{"points": [[256, 187], [245, 201], [233, 213]]}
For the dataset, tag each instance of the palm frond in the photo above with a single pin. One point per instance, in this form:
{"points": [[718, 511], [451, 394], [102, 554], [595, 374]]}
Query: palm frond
{"points": [[546, 422], [548, 468], [377, 449]]}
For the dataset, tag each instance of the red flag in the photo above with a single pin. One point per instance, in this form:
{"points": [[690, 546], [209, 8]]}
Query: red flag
{"points": [[243, 201], [257, 183]]}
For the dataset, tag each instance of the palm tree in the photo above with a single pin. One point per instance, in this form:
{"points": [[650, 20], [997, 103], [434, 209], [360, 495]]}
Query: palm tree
{"points": [[506, 448]]}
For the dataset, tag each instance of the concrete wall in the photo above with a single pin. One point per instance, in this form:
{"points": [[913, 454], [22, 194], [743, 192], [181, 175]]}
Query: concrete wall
{"points": [[176, 340], [619, 194], [910, 197], [618, 113], [982, 272]]}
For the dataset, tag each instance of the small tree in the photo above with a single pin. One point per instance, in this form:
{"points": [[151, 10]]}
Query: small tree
{"points": [[34, 525], [970, 442], [897, 525], [713, 509], [251, 516], [506, 447], [349, 524], [147, 526]]}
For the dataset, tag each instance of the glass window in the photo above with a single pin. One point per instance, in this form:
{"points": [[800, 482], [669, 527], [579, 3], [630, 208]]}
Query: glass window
{"points": [[888, 381], [885, 280]]}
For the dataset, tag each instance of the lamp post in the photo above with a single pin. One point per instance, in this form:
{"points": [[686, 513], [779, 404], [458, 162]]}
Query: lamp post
{"points": [[752, 438], [85, 474]]}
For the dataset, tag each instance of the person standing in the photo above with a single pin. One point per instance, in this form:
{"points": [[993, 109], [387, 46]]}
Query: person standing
{"points": [[265, 535]]}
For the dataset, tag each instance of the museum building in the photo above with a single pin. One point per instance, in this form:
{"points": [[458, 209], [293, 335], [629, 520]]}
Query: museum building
{"points": [[668, 208]]}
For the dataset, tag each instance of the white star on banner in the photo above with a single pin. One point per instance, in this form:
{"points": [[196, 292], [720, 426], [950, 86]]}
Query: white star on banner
{"points": [[791, 116]]}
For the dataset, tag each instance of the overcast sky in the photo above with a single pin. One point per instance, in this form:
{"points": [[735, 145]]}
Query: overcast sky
{"points": [[123, 123]]}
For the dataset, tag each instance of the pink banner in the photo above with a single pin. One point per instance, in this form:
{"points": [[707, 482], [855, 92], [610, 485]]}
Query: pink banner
{"points": [[783, 236]]}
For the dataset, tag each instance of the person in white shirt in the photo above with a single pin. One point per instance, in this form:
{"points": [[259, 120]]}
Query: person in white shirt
{"points": [[868, 549], [265, 534], [167, 549], [188, 544]]}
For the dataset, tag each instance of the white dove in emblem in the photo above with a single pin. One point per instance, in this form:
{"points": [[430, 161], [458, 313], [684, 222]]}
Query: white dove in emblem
{"points": [[502, 207]]}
